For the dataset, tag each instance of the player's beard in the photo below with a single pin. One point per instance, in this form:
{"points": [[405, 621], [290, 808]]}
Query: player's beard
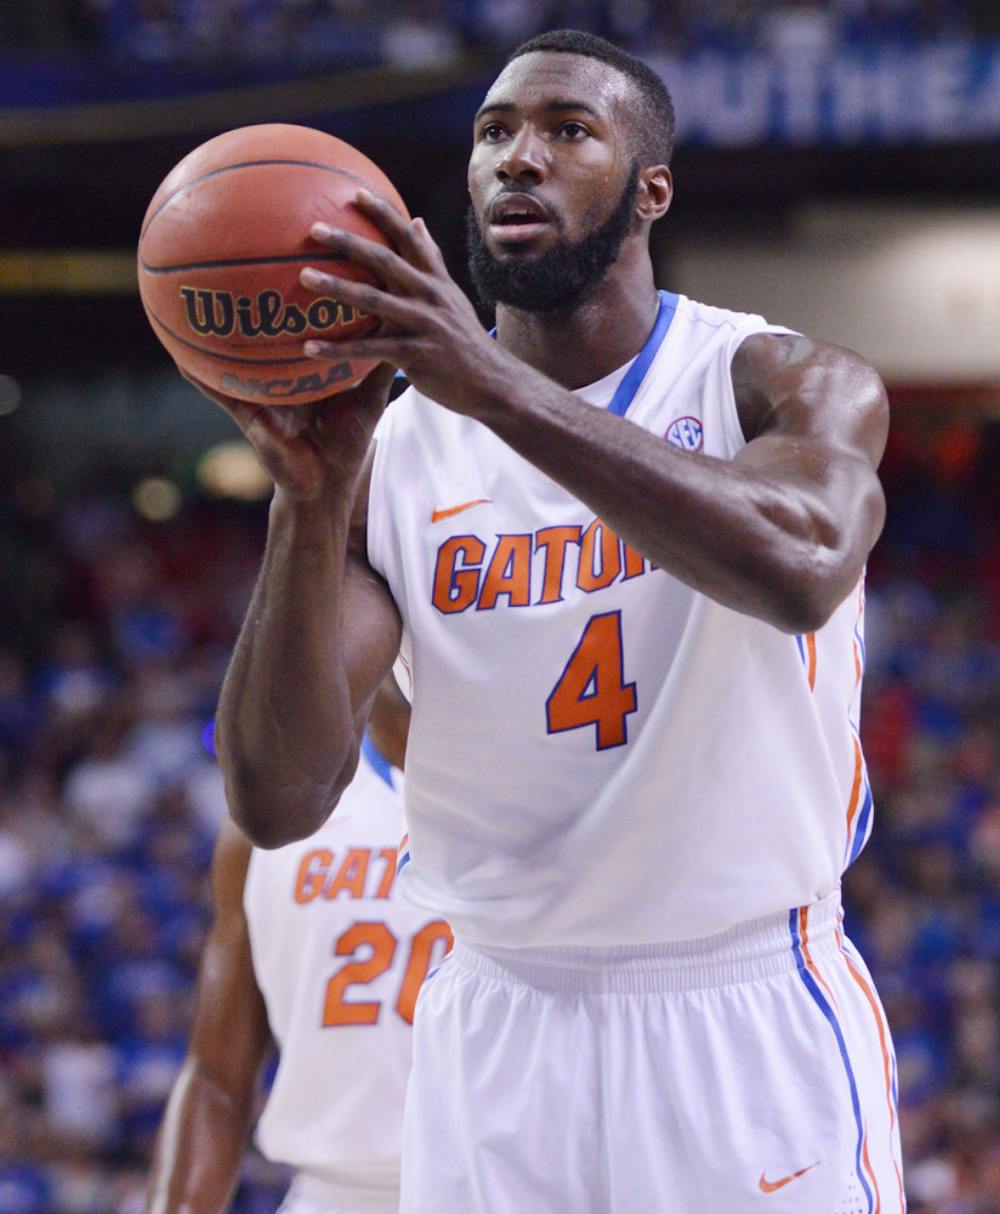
{"points": [[559, 278]]}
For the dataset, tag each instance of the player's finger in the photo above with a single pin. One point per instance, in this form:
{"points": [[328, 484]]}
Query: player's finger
{"points": [[259, 424], [264, 429], [387, 349], [361, 295], [403, 233], [384, 263], [433, 257]]}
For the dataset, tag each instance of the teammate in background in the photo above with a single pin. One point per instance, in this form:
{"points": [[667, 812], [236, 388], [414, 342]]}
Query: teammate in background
{"points": [[311, 945], [623, 548]]}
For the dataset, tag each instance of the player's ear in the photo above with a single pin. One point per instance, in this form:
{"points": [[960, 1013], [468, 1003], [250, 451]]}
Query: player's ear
{"points": [[656, 189]]}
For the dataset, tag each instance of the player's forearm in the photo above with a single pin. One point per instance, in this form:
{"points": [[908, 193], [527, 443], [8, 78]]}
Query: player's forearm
{"points": [[763, 546], [286, 727], [200, 1147]]}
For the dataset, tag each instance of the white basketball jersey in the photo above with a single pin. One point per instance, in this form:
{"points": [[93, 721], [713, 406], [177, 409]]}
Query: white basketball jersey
{"points": [[339, 959], [599, 754]]}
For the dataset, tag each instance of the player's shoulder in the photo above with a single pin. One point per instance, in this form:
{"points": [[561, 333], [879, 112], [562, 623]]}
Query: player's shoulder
{"points": [[707, 334], [714, 320]]}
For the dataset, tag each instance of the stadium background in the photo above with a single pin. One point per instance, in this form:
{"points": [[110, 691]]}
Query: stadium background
{"points": [[837, 170]]}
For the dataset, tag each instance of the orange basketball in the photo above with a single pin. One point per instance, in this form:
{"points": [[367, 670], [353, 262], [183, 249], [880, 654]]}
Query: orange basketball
{"points": [[222, 244]]}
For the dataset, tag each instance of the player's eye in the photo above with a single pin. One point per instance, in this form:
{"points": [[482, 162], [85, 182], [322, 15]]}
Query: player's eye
{"points": [[573, 130], [491, 132]]}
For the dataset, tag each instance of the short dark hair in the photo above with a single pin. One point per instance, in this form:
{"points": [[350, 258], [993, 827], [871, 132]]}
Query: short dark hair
{"points": [[653, 120]]}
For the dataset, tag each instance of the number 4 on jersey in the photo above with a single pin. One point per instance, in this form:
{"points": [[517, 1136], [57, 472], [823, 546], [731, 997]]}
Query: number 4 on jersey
{"points": [[592, 689]]}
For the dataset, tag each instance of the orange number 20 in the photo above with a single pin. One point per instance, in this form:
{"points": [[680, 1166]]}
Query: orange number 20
{"points": [[433, 939], [592, 689]]}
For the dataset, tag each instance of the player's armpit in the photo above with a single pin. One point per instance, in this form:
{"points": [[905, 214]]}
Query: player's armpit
{"points": [[207, 1121]]}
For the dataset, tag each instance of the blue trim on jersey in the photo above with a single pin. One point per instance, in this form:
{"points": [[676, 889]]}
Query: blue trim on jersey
{"points": [[626, 390], [401, 861], [821, 1002], [377, 760], [857, 630], [802, 648], [862, 831], [861, 648]]}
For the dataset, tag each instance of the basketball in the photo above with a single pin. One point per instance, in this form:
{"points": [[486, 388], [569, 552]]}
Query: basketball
{"points": [[222, 243]]}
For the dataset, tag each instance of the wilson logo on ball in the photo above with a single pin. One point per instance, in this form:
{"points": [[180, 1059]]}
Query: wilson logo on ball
{"points": [[218, 314]]}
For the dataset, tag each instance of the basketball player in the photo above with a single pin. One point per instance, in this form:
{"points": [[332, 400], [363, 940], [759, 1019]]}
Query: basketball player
{"points": [[310, 944], [622, 545]]}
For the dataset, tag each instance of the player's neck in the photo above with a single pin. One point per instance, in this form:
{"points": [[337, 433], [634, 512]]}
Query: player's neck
{"points": [[581, 346]]}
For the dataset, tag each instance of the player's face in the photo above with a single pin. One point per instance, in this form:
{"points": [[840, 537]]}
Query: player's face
{"points": [[551, 178]]}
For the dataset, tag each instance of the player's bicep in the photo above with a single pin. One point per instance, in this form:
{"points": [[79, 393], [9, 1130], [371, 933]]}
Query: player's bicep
{"points": [[836, 490], [816, 418]]}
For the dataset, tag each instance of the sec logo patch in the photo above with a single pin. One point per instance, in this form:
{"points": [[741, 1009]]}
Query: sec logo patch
{"points": [[686, 433]]}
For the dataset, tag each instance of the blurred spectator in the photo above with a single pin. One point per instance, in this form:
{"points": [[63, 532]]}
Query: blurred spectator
{"points": [[109, 802], [79, 1075], [421, 36], [108, 789], [420, 33]]}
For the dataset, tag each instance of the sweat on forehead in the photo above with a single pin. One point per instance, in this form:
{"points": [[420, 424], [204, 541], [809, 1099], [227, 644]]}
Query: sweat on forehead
{"points": [[545, 75]]}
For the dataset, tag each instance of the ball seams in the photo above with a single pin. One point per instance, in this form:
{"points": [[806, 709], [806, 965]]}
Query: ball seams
{"points": [[256, 164], [228, 263]]}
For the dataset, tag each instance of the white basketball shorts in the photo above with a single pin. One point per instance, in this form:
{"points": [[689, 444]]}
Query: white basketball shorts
{"points": [[747, 1072], [311, 1194]]}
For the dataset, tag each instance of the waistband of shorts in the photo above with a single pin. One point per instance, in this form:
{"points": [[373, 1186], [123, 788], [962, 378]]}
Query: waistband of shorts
{"points": [[310, 1193], [760, 948]]}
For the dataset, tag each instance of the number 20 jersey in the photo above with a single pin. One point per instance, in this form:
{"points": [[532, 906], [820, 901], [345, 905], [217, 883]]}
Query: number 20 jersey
{"points": [[598, 754]]}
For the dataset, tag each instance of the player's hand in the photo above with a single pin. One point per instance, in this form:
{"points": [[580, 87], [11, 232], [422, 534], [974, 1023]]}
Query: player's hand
{"points": [[429, 328], [310, 450]]}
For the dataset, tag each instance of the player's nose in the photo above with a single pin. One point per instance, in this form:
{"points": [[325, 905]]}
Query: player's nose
{"points": [[524, 158]]}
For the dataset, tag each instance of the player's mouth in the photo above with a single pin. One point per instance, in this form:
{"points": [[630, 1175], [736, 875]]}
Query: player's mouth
{"points": [[517, 218]]}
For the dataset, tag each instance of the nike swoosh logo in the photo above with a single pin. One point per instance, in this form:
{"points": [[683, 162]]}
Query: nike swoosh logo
{"points": [[772, 1186], [438, 515]]}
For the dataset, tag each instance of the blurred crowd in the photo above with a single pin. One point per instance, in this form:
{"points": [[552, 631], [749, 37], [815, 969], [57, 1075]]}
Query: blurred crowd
{"points": [[114, 633], [434, 32], [110, 798], [923, 900]]}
